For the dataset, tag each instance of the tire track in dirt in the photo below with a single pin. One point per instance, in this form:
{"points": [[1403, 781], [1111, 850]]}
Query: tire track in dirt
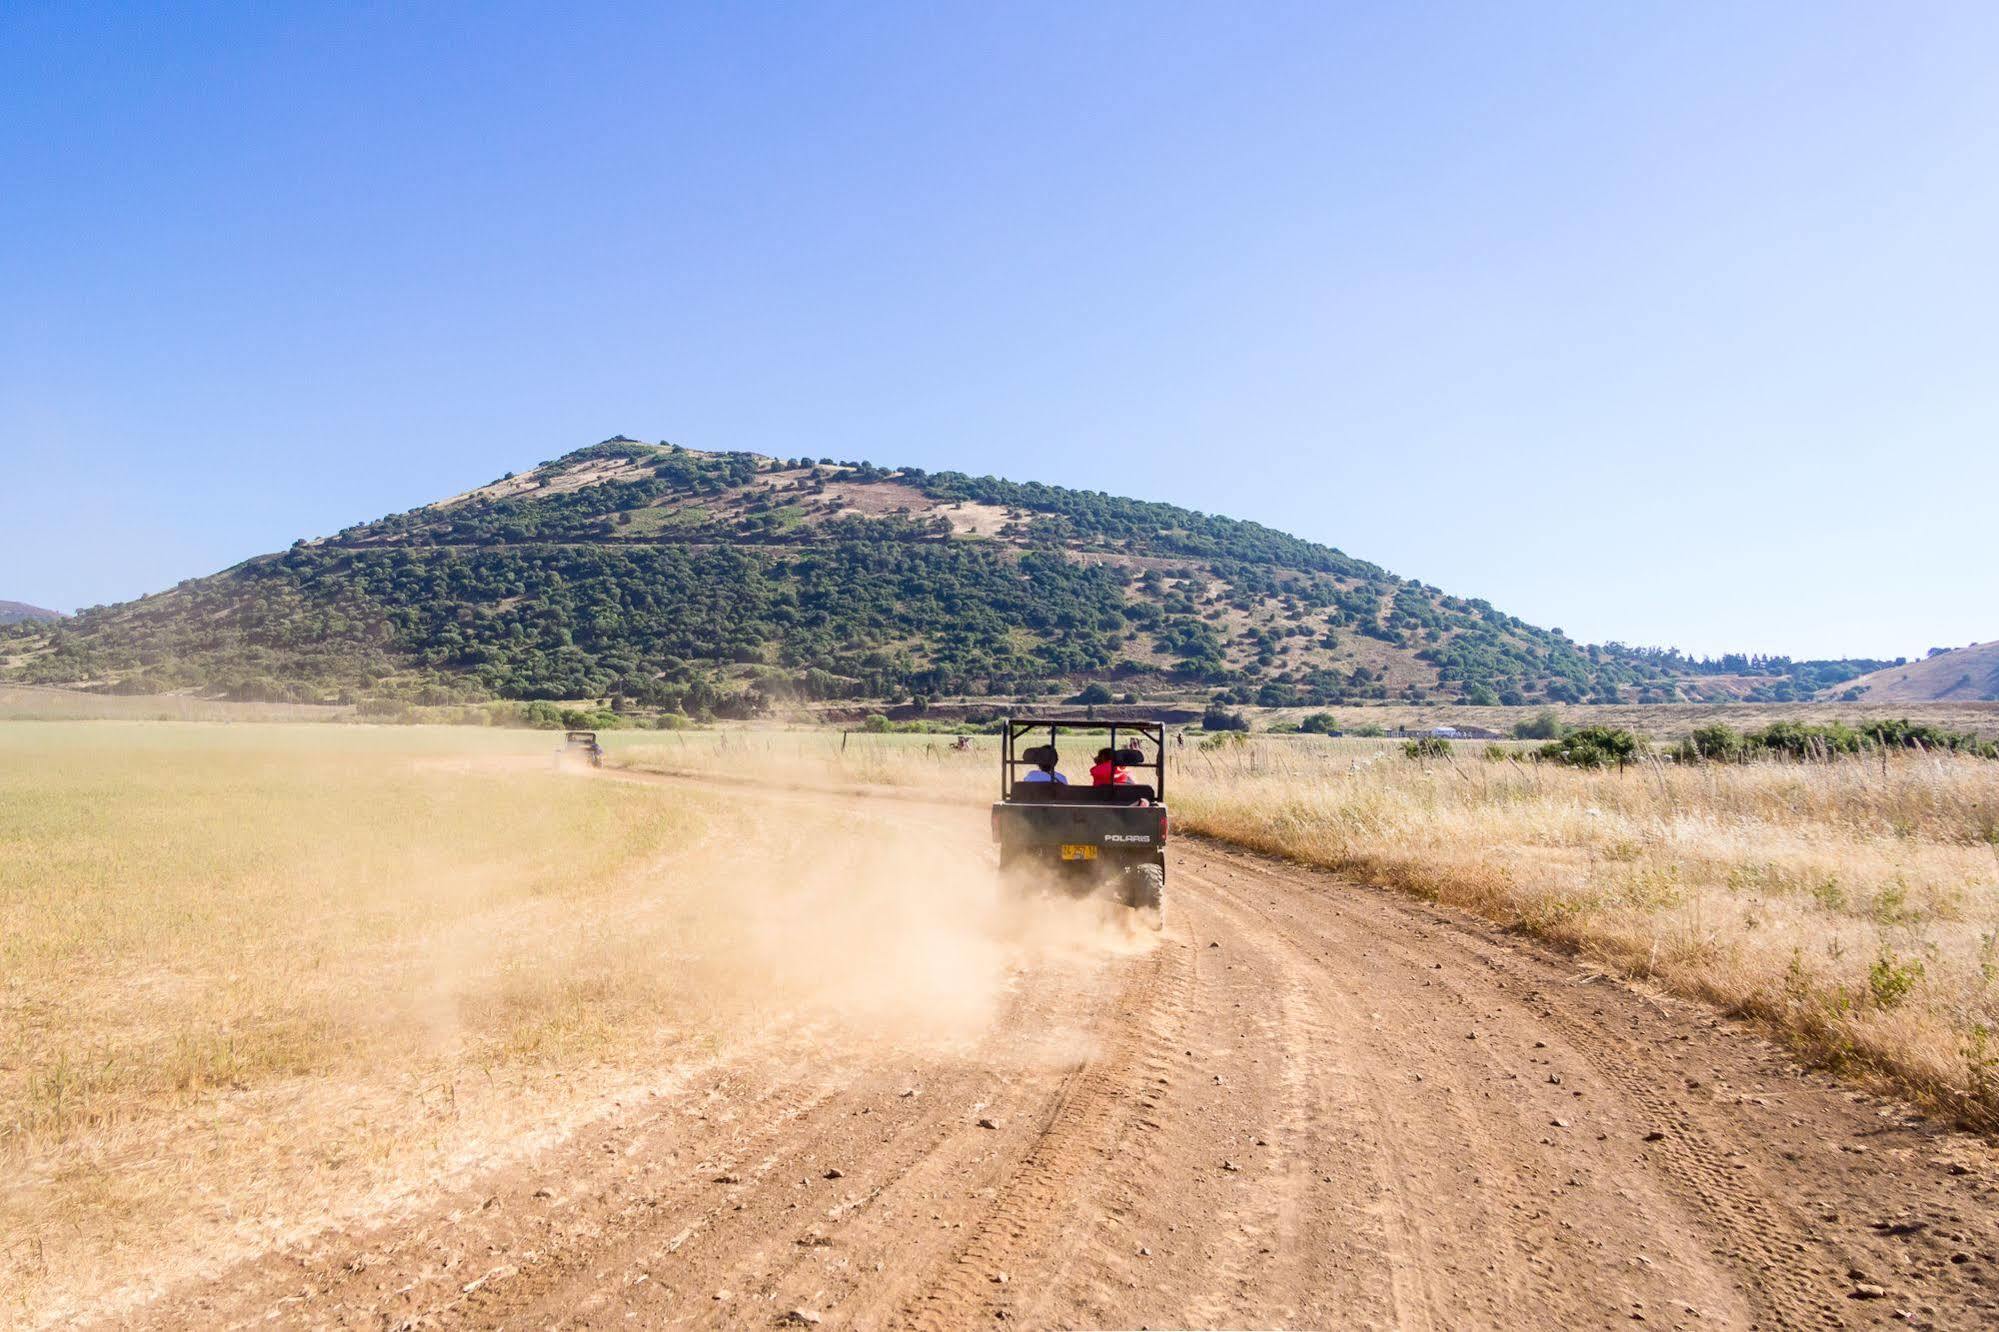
{"points": [[1706, 1142], [1072, 1136], [1311, 1104]]}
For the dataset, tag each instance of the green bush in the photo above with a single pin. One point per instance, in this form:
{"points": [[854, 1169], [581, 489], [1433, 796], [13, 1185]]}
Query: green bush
{"points": [[1427, 746], [1594, 747], [1713, 744], [1800, 740], [1544, 725], [1905, 734], [1890, 979], [1320, 723], [542, 715], [1219, 718]]}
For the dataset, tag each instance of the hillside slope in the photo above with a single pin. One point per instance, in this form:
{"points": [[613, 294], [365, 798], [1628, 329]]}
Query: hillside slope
{"points": [[727, 582], [14, 612], [1962, 675]]}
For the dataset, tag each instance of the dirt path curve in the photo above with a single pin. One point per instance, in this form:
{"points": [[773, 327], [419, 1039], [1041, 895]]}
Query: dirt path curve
{"points": [[1308, 1104]]}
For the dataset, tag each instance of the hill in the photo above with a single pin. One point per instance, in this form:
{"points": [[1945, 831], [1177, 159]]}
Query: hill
{"points": [[1960, 675], [14, 612], [728, 582]]}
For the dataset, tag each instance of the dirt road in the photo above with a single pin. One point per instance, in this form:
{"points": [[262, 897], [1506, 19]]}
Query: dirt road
{"points": [[1307, 1104]]}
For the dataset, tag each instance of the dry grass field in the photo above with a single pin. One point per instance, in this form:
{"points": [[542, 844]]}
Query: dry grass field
{"points": [[200, 924], [37, 703], [1854, 905], [263, 984], [255, 979]]}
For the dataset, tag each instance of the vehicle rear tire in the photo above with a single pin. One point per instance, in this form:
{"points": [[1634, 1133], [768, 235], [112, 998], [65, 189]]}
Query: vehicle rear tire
{"points": [[1145, 893]]}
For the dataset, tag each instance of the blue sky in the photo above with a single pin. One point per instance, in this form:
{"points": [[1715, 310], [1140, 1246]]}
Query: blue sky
{"points": [[1671, 324]]}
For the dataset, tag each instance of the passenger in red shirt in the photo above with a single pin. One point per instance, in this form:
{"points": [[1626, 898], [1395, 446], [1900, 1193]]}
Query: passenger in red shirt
{"points": [[1107, 772]]}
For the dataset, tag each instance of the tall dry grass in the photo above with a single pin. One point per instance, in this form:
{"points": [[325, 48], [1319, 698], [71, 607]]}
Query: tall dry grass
{"points": [[1853, 905]]}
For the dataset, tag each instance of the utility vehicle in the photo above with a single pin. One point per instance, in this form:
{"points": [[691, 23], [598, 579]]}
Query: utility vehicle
{"points": [[1075, 837], [582, 745]]}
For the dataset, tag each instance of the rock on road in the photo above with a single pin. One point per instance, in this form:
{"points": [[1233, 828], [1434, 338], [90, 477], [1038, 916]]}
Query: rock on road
{"points": [[1309, 1104]]}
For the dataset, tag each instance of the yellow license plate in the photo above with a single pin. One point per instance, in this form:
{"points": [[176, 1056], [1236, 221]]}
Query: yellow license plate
{"points": [[1079, 853]]}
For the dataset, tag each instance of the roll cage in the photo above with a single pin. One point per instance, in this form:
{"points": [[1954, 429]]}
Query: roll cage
{"points": [[1013, 754]]}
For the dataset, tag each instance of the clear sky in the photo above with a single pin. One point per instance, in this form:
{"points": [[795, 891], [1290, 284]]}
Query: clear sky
{"points": [[1668, 323]]}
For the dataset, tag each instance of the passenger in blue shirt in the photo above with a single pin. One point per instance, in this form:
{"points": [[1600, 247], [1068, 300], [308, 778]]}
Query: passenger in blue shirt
{"points": [[1045, 771]]}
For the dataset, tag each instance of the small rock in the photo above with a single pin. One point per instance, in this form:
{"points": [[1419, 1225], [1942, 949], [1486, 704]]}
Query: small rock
{"points": [[1000, 1278], [1214, 945], [1559, 1123], [835, 1173], [1959, 1168], [723, 1297], [1555, 1079], [988, 1123], [1230, 1166], [908, 1092], [800, 1318], [1144, 1252], [1654, 1136], [544, 1193], [1867, 1290], [728, 1179]]}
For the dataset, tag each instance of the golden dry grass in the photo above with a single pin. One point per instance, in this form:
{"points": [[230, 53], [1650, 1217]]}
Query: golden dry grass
{"points": [[1854, 906], [42, 703], [258, 980], [246, 970]]}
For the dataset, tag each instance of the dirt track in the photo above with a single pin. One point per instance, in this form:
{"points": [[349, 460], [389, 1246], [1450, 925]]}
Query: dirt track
{"points": [[1307, 1104]]}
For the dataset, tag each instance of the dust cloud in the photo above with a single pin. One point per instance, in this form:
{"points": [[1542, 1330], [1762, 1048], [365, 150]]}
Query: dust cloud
{"points": [[884, 925]]}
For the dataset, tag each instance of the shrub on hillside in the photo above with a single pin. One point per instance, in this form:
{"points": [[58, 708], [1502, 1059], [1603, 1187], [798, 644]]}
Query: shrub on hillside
{"points": [[1427, 746]]}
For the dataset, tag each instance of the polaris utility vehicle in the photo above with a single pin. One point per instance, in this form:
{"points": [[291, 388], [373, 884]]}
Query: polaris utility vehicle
{"points": [[1074, 836], [581, 745]]}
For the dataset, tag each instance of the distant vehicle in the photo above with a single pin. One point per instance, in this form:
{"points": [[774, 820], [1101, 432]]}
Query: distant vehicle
{"points": [[581, 745], [1076, 837]]}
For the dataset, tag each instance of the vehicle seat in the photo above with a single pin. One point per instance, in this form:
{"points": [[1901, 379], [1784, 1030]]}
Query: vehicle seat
{"points": [[1112, 795]]}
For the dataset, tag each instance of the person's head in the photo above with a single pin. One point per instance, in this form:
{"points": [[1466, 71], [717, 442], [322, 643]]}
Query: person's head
{"points": [[1049, 758], [1106, 755]]}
